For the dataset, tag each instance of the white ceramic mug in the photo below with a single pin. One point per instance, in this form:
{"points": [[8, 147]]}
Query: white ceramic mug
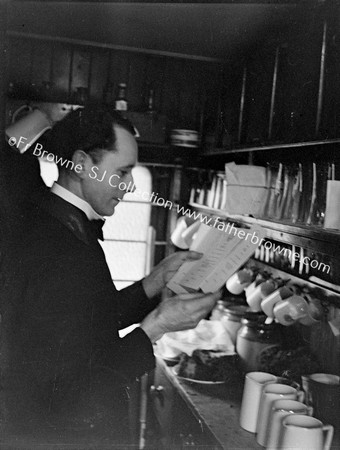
{"points": [[272, 392], [255, 296], [183, 224], [281, 409], [268, 303], [292, 309], [323, 393], [252, 392], [302, 432], [237, 283], [189, 234], [28, 129]]}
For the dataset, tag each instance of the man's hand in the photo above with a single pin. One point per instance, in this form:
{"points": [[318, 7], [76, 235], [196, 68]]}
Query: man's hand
{"points": [[181, 312], [165, 270]]}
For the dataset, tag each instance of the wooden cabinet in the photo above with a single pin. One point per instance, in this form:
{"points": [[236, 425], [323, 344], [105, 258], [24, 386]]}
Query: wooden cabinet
{"points": [[330, 113], [285, 89]]}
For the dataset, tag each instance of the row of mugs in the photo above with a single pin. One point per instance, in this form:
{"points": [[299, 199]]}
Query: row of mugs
{"points": [[268, 407], [278, 302]]}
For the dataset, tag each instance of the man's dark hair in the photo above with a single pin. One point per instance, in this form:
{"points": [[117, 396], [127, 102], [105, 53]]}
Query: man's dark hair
{"points": [[90, 129]]}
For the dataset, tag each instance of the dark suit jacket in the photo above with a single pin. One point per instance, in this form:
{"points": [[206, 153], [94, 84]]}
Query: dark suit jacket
{"points": [[63, 364]]}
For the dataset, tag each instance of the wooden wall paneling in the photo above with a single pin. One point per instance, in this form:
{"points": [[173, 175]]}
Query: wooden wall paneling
{"points": [[61, 68], [186, 94], [80, 70], [136, 94], [330, 115], [171, 92], [311, 73], [119, 70], [284, 128], [154, 78], [189, 93], [211, 81], [4, 54], [199, 95], [298, 80], [20, 62], [99, 73], [260, 67], [41, 65], [220, 127], [5, 205], [231, 99]]}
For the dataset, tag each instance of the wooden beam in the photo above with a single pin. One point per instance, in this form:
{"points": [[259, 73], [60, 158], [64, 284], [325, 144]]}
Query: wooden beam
{"points": [[124, 48], [171, 2]]}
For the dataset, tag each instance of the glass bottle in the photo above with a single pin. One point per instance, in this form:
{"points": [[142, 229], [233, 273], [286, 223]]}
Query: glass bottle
{"points": [[322, 172], [151, 101], [296, 194], [121, 102]]}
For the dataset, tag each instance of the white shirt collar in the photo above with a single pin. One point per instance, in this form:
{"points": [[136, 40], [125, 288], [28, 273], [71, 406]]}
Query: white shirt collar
{"points": [[75, 201]]}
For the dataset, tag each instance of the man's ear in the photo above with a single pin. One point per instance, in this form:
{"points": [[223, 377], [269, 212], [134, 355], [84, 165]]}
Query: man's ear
{"points": [[82, 163]]}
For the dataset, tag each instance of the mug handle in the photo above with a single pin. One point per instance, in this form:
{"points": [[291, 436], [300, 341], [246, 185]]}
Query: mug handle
{"points": [[300, 396], [310, 411], [330, 431], [21, 108]]}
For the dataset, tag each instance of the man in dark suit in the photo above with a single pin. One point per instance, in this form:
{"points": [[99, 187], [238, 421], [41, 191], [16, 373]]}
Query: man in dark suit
{"points": [[65, 371]]}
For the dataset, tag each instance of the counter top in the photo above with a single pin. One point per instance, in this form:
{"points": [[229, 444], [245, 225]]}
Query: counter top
{"points": [[218, 407]]}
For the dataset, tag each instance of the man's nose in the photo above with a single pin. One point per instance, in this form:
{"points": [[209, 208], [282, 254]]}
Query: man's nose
{"points": [[130, 184]]}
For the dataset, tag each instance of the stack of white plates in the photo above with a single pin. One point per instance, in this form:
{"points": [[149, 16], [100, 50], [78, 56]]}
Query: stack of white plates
{"points": [[184, 138]]}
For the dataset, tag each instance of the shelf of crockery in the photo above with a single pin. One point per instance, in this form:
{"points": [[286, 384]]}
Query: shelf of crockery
{"points": [[317, 239], [327, 293]]}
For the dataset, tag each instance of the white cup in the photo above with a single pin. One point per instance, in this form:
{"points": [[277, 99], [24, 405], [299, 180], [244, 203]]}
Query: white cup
{"points": [[281, 409], [177, 235], [268, 303], [290, 310], [270, 393], [255, 296], [237, 283], [189, 234], [302, 432], [252, 392], [28, 129]]}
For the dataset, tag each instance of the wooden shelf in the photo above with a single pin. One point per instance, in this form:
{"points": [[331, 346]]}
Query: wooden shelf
{"points": [[311, 237], [243, 149], [215, 407]]}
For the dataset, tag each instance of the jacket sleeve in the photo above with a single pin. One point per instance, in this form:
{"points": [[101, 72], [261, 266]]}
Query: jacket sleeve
{"points": [[135, 355], [133, 304]]}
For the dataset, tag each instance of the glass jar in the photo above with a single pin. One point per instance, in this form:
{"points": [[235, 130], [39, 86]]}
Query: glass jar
{"points": [[218, 311], [231, 319], [253, 338]]}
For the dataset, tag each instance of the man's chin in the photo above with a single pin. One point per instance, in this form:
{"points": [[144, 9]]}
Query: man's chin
{"points": [[111, 209]]}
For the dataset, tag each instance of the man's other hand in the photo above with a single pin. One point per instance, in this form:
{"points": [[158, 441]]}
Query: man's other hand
{"points": [[181, 312]]}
